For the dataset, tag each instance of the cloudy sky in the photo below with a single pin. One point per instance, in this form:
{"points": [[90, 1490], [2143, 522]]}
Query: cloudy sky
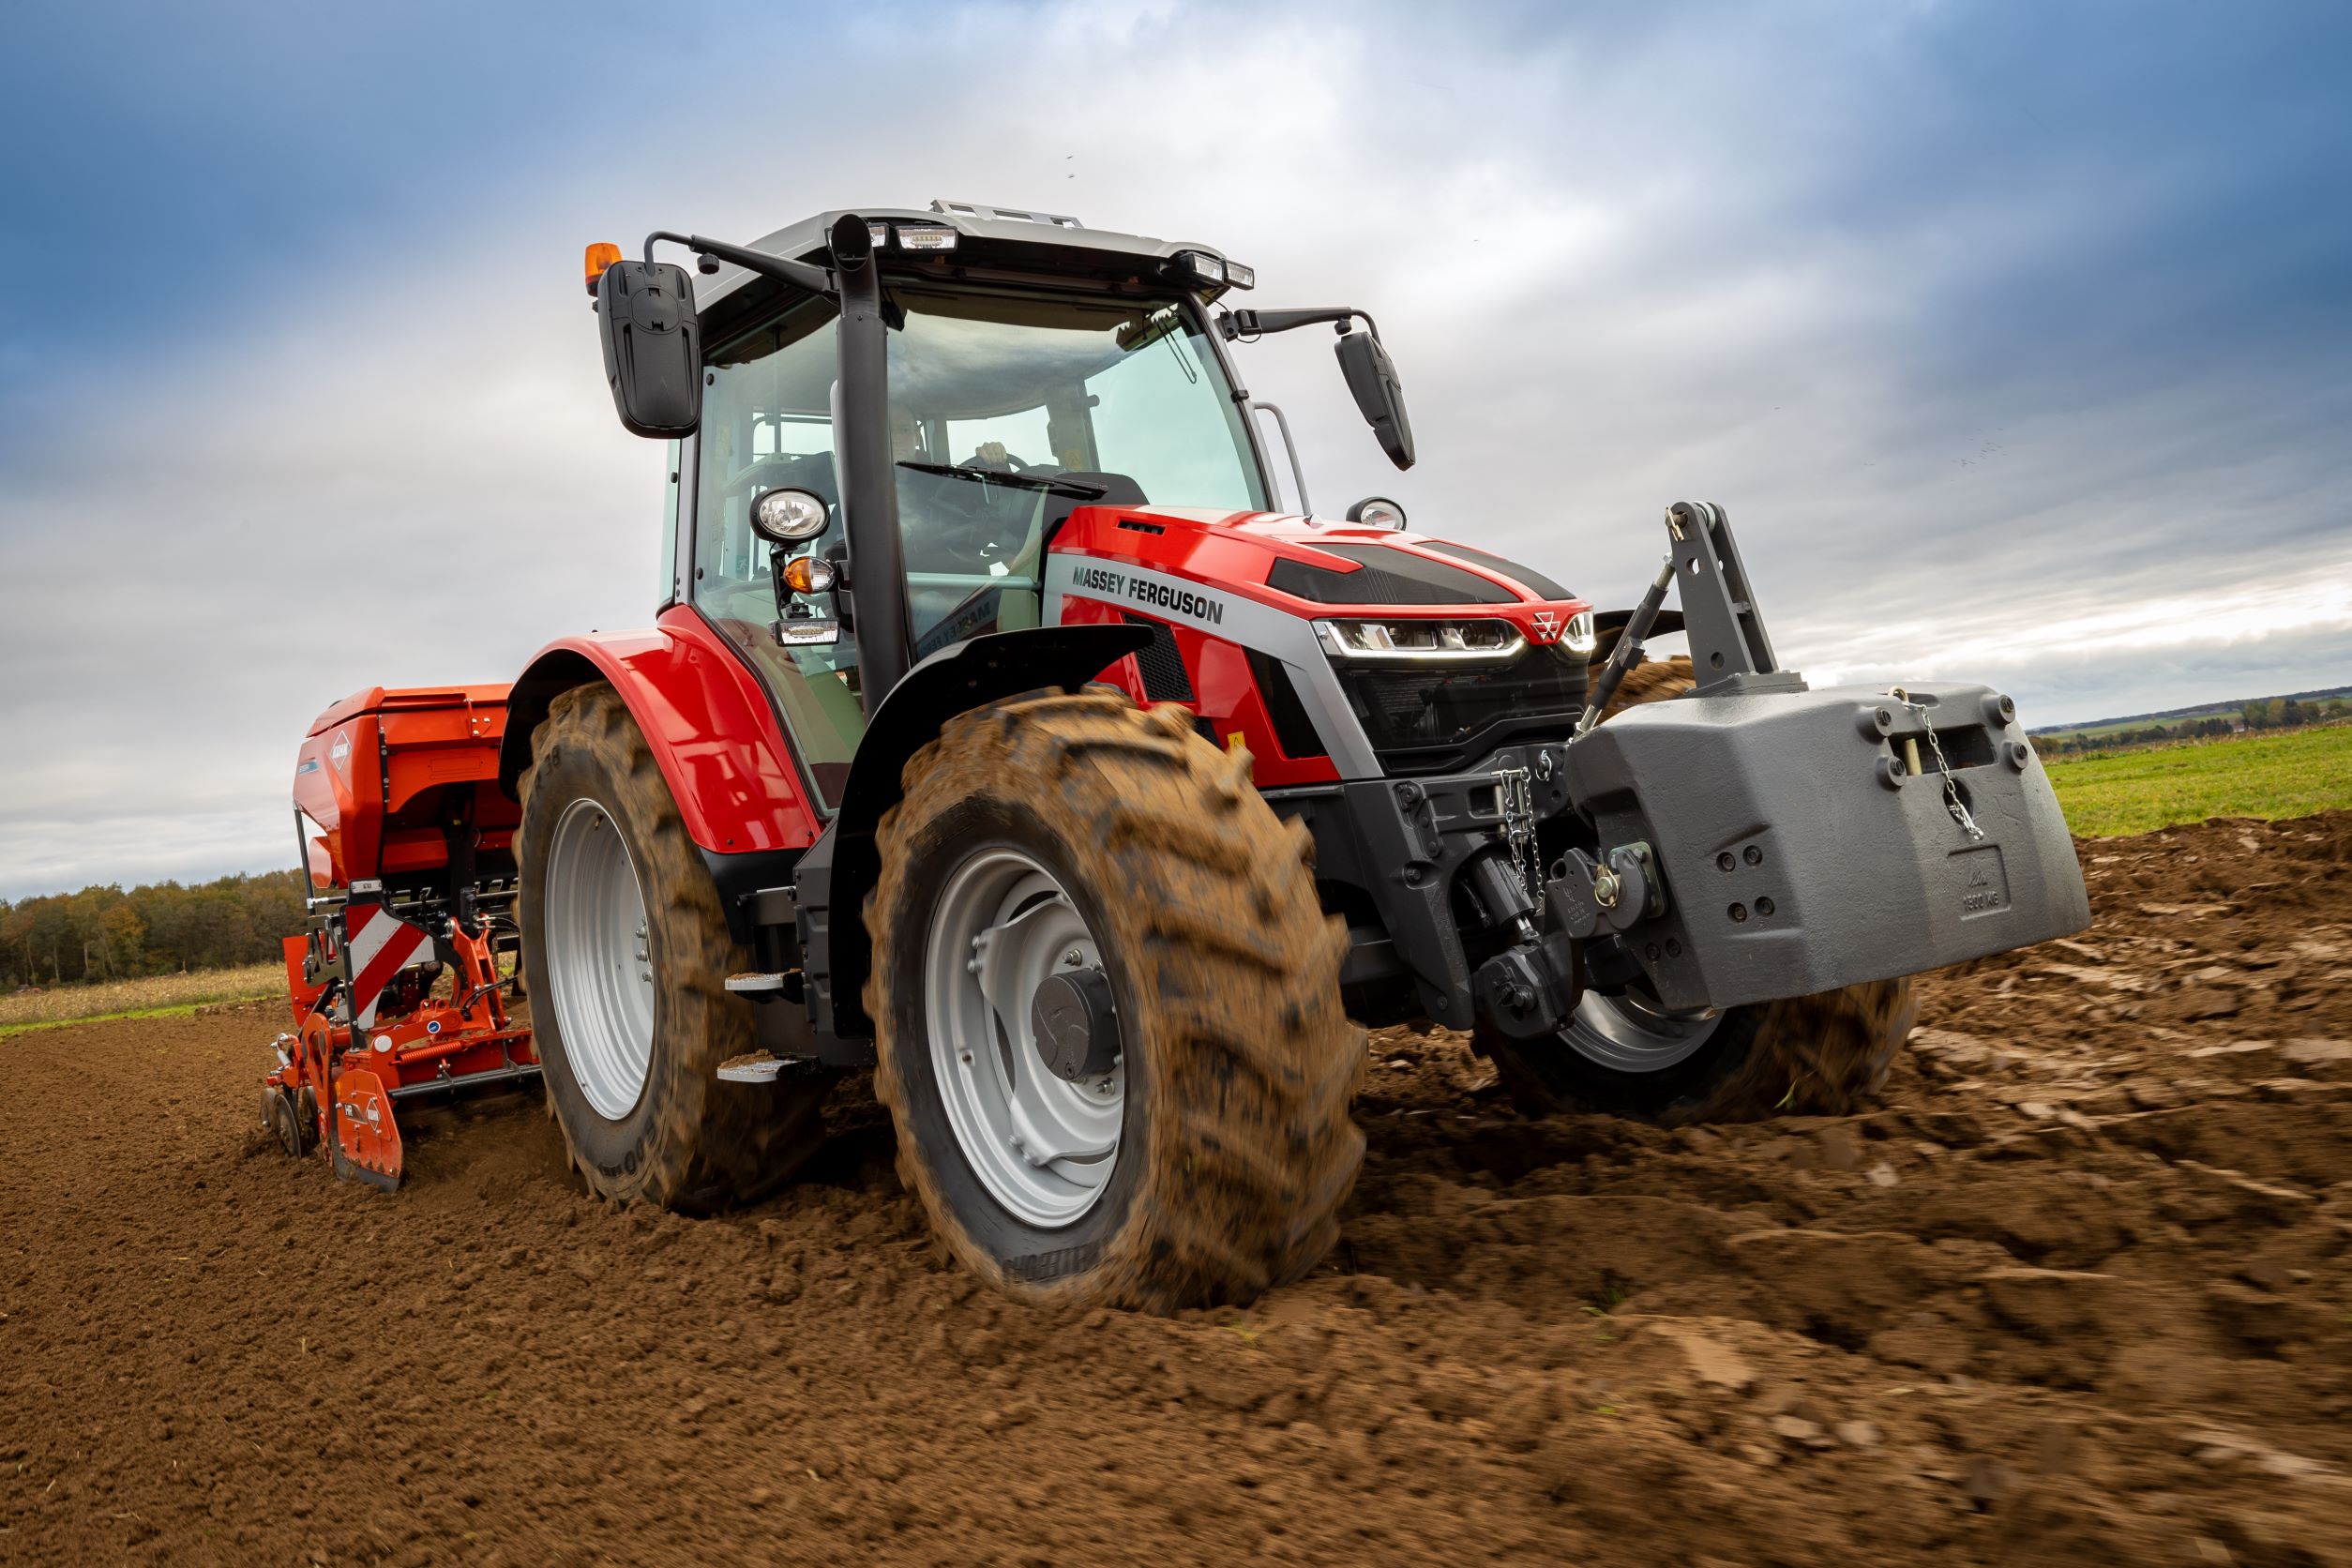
{"points": [[2017, 338]]}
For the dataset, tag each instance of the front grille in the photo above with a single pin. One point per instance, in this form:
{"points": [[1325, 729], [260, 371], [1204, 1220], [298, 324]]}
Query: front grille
{"points": [[1442, 717]]}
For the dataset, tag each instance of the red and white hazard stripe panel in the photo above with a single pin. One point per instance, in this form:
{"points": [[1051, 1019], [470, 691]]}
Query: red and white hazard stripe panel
{"points": [[383, 946]]}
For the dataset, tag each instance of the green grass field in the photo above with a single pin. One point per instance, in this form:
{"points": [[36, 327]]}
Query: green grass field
{"points": [[2277, 774]]}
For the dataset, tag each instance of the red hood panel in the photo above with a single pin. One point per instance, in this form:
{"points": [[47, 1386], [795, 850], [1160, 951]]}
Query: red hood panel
{"points": [[1238, 551]]}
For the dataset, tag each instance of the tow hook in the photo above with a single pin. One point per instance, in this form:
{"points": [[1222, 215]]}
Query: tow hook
{"points": [[1620, 892]]}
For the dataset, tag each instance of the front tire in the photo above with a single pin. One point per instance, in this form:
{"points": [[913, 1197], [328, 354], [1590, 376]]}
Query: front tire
{"points": [[1824, 1054], [1809, 1055], [1055, 845], [627, 947]]}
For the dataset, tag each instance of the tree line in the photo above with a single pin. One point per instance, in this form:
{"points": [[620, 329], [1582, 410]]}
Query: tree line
{"points": [[2284, 713], [2275, 713], [104, 933]]}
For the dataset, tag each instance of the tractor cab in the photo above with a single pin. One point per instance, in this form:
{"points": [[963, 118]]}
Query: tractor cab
{"points": [[1027, 367], [1008, 406]]}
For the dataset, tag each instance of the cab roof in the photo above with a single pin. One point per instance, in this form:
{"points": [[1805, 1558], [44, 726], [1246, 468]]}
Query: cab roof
{"points": [[987, 237]]}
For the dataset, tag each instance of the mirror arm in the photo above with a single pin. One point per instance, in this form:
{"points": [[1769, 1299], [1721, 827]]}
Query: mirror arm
{"points": [[1235, 324], [800, 275]]}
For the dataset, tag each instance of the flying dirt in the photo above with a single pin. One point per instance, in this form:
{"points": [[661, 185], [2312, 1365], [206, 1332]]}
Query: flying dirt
{"points": [[2077, 1292]]}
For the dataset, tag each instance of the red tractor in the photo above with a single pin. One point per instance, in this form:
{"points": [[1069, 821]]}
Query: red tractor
{"points": [[999, 732]]}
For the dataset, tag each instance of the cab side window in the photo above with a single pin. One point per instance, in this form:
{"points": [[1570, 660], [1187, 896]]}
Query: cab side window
{"points": [[768, 423]]}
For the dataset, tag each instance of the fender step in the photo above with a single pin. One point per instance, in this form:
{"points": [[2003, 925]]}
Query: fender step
{"points": [[754, 982], [752, 1066]]}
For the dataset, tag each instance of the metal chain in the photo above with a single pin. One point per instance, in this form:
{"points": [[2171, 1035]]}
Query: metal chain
{"points": [[1952, 789], [1514, 795]]}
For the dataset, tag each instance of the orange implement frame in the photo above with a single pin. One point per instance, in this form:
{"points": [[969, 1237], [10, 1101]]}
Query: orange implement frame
{"points": [[396, 989]]}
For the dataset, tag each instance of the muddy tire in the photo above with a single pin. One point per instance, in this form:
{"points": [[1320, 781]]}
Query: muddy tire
{"points": [[628, 954], [1201, 1153], [1824, 1054]]}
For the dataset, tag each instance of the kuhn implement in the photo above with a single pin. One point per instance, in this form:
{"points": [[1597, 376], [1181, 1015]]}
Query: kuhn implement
{"points": [[1001, 732], [396, 986]]}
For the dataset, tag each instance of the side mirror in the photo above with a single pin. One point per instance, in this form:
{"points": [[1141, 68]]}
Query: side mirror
{"points": [[1372, 380], [653, 347]]}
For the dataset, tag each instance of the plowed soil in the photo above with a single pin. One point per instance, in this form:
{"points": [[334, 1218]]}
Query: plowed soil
{"points": [[2080, 1291]]}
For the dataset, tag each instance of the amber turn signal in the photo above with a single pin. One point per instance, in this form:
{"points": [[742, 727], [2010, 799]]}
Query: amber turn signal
{"points": [[600, 256], [807, 574]]}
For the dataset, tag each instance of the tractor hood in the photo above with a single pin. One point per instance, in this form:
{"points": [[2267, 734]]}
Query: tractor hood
{"points": [[1331, 652], [1315, 570]]}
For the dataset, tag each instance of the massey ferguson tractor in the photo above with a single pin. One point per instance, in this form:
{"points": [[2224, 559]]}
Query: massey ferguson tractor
{"points": [[1001, 732]]}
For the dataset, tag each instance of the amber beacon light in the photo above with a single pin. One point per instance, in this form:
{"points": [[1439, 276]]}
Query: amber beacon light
{"points": [[600, 255]]}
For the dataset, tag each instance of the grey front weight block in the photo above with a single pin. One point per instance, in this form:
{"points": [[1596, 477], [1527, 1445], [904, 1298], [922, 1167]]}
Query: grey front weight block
{"points": [[1802, 849]]}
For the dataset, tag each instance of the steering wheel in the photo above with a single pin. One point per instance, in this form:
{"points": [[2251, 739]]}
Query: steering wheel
{"points": [[969, 526], [1012, 463]]}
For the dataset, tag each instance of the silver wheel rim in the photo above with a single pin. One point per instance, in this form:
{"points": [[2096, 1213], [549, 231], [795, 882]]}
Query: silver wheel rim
{"points": [[600, 972], [1043, 1147], [1629, 1033]]}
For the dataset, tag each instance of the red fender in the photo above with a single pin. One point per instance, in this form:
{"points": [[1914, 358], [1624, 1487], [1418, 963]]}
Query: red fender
{"points": [[710, 725]]}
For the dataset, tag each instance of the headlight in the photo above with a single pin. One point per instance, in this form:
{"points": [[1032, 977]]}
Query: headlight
{"points": [[788, 516], [1484, 641], [1578, 637]]}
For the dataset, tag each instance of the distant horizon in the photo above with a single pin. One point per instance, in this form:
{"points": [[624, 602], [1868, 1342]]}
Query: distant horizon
{"points": [[2320, 693], [131, 885]]}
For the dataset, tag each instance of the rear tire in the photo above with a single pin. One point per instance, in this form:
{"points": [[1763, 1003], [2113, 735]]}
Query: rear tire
{"points": [[1824, 1054], [629, 1047], [1057, 832]]}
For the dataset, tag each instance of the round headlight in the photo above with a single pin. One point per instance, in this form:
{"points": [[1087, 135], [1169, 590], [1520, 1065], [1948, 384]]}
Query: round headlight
{"points": [[1376, 511], [788, 516]]}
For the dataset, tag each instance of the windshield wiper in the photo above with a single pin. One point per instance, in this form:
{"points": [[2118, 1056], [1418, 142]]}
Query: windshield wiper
{"points": [[1075, 489]]}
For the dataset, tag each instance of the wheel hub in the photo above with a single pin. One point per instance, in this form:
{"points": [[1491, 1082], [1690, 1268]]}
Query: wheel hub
{"points": [[1077, 1025]]}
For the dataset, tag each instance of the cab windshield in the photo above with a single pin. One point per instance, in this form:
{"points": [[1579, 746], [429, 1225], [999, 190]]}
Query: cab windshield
{"points": [[990, 394]]}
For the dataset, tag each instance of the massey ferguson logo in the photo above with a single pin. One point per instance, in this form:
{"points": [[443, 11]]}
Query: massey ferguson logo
{"points": [[1546, 627], [1157, 595]]}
